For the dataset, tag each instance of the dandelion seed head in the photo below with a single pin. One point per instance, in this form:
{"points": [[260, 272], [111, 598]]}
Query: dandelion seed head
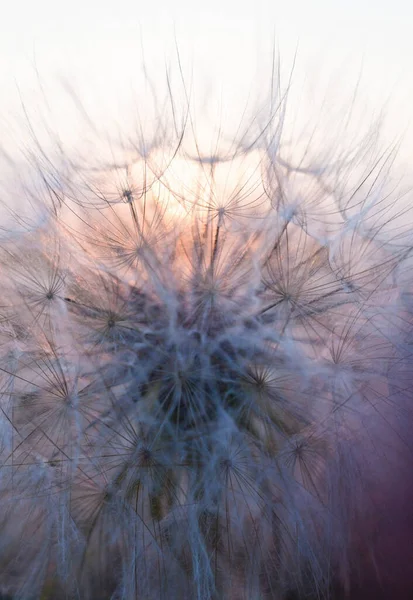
{"points": [[191, 346]]}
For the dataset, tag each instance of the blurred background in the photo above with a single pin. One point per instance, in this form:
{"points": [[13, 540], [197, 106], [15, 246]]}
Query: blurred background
{"points": [[225, 49]]}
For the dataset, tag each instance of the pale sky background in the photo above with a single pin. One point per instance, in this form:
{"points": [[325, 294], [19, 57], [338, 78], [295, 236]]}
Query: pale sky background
{"points": [[97, 45]]}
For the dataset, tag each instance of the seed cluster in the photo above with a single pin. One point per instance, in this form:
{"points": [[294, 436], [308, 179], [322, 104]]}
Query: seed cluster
{"points": [[184, 372]]}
